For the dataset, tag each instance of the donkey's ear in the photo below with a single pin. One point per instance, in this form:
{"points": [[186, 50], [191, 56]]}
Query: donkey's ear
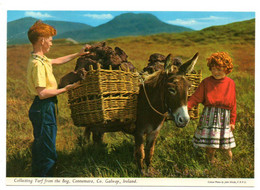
{"points": [[188, 66], [168, 63]]}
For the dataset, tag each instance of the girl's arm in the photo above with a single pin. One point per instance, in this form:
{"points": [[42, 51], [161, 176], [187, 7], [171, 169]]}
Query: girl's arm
{"points": [[233, 113], [68, 58], [44, 93]]}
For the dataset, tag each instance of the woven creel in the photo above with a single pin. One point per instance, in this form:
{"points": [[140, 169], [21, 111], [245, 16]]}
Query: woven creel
{"points": [[105, 96], [195, 79]]}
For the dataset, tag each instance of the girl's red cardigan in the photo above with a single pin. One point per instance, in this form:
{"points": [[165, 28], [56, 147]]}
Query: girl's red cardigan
{"points": [[220, 93]]}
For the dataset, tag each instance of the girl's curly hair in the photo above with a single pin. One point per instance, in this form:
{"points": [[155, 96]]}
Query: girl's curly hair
{"points": [[220, 60], [40, 29]]}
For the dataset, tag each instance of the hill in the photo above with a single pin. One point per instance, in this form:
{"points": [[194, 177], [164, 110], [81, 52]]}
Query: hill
{"points": [[17, 30], [128, 24], [235, 33], [236, 30]]}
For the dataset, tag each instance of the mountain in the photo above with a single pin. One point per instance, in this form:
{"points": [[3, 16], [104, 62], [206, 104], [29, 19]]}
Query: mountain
{"points": [[17, 30], [128, 24]]}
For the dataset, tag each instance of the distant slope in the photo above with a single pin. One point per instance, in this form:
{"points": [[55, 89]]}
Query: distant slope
{"points": [[229, 33], [237, 32], [236, 29], [128, 24], [17, 30]]}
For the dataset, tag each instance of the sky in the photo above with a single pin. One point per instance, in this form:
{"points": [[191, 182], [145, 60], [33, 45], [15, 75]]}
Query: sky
{"points": [[196, 20]]}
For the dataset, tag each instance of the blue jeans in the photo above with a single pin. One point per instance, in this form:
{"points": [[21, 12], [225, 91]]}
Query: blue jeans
{"points": [[43, 117]]}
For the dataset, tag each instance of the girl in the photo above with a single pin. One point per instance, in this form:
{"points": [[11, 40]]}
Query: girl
{"points": [[217, 94]]}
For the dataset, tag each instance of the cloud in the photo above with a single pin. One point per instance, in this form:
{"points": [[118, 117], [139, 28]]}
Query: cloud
{"points": [[188, 22], [197, 21], [99, 16], [193, 21], [37, 14], [213, 18]]}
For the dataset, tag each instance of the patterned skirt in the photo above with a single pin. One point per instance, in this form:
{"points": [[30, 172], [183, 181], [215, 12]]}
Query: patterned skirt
{"points": [[214, 129]]}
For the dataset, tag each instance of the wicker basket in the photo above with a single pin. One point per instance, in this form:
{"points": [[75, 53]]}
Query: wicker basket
{"points": [[105, 96], [195, 79]]}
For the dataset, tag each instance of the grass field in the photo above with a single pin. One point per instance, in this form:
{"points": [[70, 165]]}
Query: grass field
{"points": [[174, 155]]}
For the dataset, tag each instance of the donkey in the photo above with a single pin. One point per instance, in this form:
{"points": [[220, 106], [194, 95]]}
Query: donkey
{"points": [[164, 92]]}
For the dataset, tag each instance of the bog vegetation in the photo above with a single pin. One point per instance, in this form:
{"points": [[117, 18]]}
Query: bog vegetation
{"points": [[174, 155]]}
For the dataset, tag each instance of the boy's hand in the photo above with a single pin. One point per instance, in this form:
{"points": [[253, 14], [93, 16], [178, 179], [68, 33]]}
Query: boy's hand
{"points": [[71, 86], [84, 50]]}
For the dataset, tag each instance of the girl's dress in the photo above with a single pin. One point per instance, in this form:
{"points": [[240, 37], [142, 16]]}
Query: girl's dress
{"points": [[219, 99]]}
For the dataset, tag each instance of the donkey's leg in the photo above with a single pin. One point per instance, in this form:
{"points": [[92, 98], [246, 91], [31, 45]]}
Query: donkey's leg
{"points": [[98, 137], [149, 149], [87, 133], [139, 151]]}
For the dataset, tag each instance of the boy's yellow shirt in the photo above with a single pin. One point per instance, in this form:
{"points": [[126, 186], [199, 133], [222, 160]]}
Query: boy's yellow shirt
{"points": [[40, 74]]}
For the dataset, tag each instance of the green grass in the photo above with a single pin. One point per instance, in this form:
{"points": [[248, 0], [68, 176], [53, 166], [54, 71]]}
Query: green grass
{"points": [[174, 155]]}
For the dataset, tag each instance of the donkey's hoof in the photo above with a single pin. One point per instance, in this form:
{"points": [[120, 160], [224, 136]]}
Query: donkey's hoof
{"points": [[142, 172], [152, 172]]}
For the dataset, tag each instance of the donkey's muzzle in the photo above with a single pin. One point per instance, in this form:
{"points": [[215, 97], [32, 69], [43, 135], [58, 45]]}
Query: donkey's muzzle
{"points": [[181, 117]]}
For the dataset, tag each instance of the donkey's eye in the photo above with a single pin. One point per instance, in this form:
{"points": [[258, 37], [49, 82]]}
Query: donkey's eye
{"points": [[172, 91]]}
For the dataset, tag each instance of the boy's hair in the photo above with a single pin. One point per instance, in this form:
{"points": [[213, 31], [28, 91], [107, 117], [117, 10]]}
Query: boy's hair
{"points": [[220, 60], [40, 29]]}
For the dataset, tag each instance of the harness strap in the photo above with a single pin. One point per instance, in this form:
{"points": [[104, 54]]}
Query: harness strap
{"points": [[147, 98]]}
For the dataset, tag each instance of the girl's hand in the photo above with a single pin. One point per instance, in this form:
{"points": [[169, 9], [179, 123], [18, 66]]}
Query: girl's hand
{"points": [[232, 127]]}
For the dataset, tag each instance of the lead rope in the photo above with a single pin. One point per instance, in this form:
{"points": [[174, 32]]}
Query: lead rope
{"points": [[165, 114]]}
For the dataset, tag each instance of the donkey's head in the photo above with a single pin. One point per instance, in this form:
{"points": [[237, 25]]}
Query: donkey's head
{"points": [[176, 90]]}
